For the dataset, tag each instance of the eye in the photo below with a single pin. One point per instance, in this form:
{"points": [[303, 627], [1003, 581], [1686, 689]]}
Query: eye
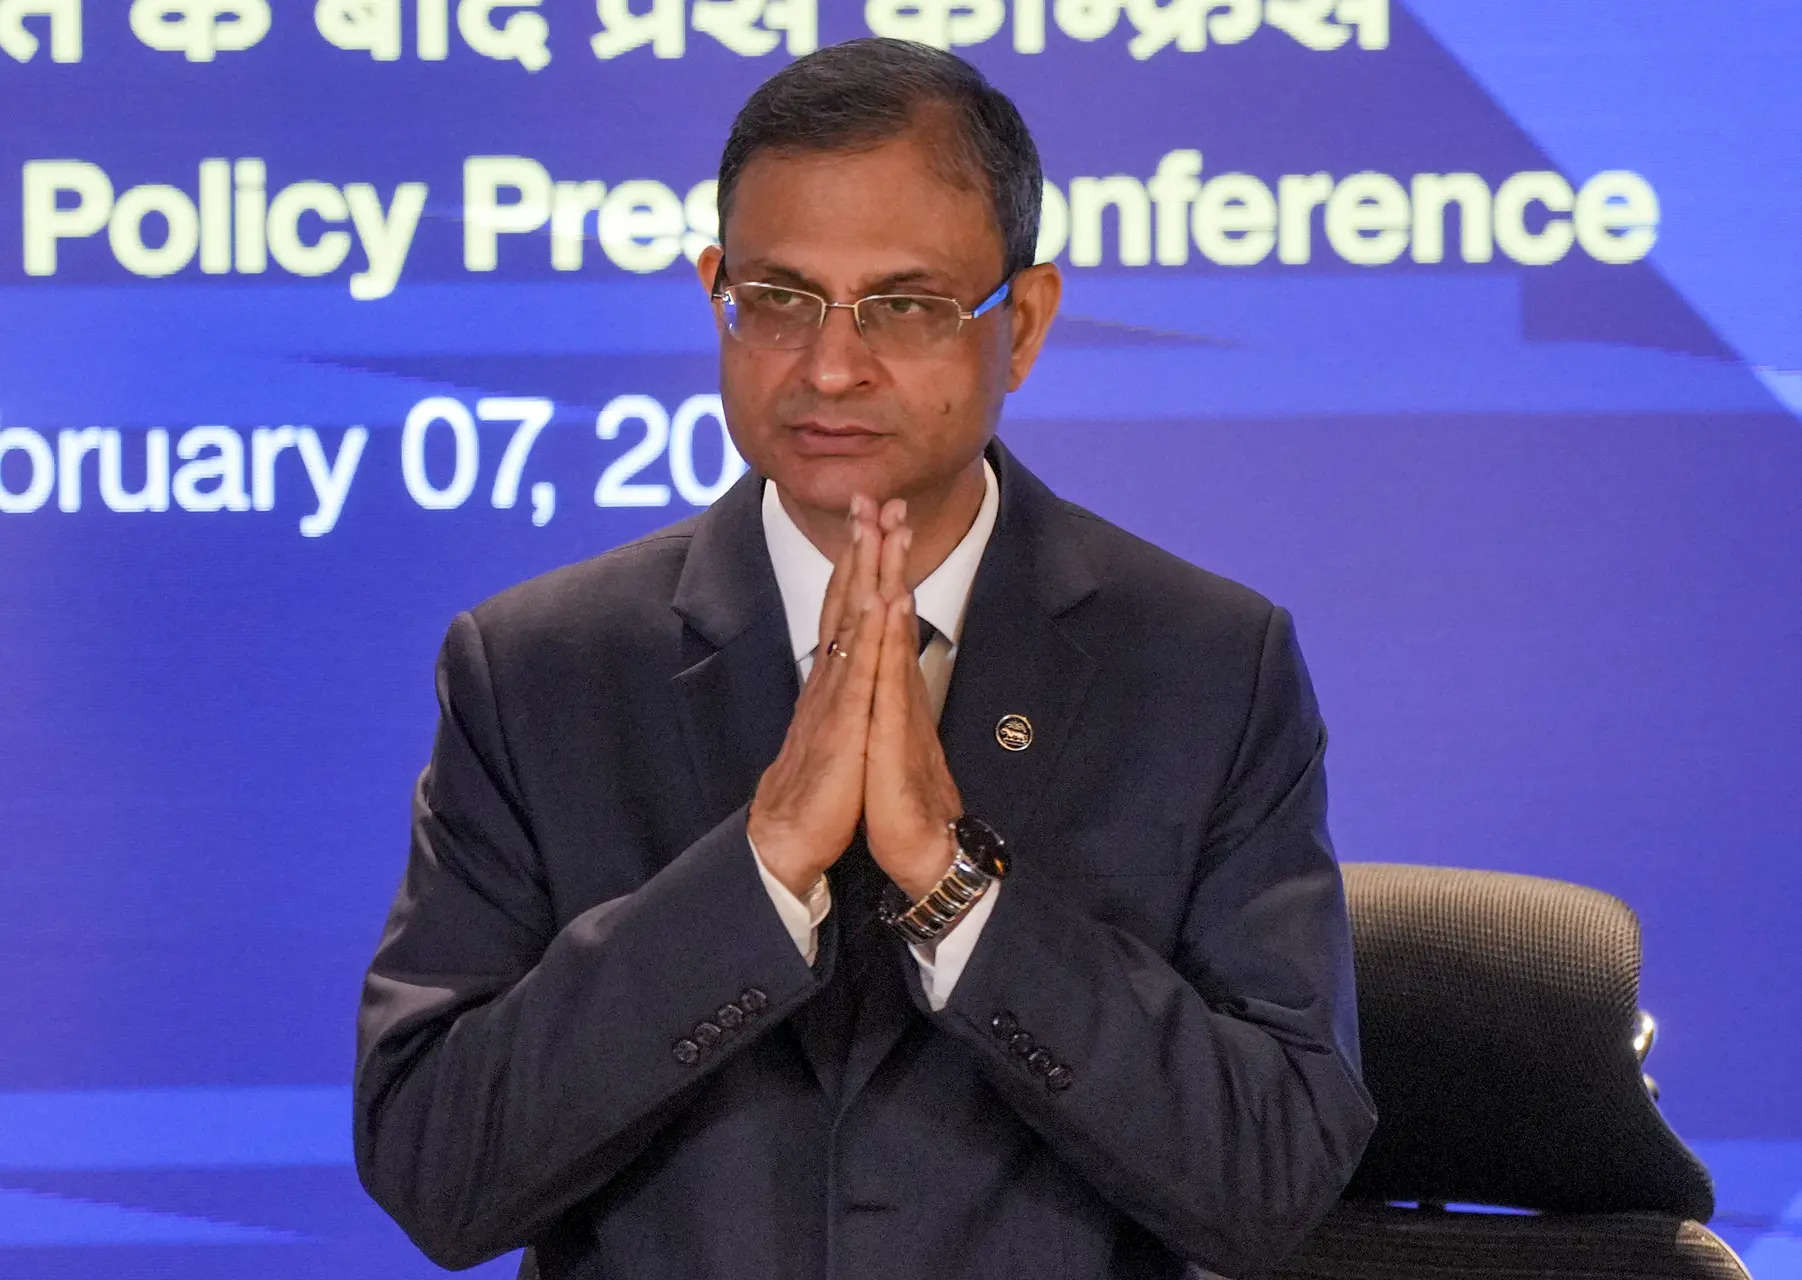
{"points": [[782, 299], [902, 307]]}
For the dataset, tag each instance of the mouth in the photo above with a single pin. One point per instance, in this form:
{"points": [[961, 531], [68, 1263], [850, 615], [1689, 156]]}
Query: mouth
{"points": [[819, 437]]}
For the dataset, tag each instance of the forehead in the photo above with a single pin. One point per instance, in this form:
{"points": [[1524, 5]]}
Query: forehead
{"points": [[843, 217]]}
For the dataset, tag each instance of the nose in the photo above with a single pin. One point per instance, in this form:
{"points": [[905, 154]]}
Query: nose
{"points": [[839, 359]]}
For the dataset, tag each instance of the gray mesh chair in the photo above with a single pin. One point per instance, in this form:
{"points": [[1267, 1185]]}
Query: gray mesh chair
{"points": [[1504, 1045]]}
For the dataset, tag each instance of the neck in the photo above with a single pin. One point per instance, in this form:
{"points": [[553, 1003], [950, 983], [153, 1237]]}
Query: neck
{"points": [[939, 520]]}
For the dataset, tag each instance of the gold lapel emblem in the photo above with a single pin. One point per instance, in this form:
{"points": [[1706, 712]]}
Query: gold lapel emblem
{"points": [[1014, 732]]}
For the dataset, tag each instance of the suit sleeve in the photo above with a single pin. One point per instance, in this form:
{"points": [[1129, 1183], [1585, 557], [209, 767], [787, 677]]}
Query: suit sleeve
{"points": [[507, 1068], [1213, 1097]]}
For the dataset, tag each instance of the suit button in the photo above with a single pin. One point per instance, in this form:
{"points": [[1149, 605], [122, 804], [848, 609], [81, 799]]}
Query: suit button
{"points": [[706, 1034], [687, 1052], [729, 1016], [753, 1001], [1040, 1061], [1059, 1078], [1021, 1043], [1004, 1024]]}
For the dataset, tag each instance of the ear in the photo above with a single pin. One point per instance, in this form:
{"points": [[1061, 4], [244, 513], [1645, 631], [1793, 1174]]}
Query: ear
{"points": [[1036, 293], [707, 266]]}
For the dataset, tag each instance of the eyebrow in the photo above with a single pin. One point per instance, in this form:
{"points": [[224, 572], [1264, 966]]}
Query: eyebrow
{"points": [[776, 273]]}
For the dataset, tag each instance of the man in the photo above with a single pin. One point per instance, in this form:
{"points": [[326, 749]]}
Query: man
{"points": [[710, 960]]}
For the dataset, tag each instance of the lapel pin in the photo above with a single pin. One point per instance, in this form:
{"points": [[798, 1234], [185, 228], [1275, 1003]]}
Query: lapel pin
{"points": [[1014, 732]]}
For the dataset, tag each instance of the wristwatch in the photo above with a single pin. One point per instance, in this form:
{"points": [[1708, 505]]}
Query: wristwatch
{"points": [[978, 863]]}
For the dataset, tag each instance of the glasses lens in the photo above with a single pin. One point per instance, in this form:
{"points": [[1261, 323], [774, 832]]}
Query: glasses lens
{"points": [[908, 322], [766, 315]]}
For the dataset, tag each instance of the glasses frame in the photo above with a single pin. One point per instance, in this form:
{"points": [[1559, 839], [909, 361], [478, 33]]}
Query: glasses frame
{"points": [[722, 292]]}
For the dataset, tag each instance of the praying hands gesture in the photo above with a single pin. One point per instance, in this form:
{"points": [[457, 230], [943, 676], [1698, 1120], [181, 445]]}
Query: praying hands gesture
{"points": [[863, 744]]}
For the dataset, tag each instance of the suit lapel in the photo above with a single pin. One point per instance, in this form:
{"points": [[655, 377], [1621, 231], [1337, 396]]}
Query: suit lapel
{"points": [[735, 692], [1013, 659]]}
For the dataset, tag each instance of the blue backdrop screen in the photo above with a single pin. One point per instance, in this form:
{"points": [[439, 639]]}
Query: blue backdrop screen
{"points": [[1467, 331]]}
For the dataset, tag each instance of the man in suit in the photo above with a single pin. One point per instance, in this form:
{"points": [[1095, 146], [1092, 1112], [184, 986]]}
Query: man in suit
{"points": [[753, 928]]}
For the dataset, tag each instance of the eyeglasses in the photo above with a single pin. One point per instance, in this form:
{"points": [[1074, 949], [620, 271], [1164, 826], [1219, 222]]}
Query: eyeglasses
{"points": [[778, 317]]}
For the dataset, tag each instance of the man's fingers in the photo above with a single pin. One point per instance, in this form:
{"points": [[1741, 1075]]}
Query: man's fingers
{"points": [[860, 591], [865, 645], [892, 692], [836, 665], [891, 575], [834, 708], [838, 586], [866, 559]]}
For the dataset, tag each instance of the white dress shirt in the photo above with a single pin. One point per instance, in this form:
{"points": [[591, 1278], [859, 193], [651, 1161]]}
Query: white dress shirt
{"points": [[942, 599]]}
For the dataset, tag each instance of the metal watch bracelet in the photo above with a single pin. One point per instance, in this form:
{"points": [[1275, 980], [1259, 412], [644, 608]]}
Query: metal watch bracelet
{"points": [[946, 903]]}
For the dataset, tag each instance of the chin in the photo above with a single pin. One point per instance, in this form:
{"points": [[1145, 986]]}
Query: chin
{"points": [[829, 484]]}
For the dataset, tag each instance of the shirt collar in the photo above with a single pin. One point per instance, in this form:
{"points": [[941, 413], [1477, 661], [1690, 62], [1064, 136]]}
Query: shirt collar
{"points": [[802, 572]]}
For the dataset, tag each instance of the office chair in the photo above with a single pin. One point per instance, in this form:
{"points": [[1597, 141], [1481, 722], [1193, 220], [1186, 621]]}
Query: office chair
{"points": [[1504, 1046]]}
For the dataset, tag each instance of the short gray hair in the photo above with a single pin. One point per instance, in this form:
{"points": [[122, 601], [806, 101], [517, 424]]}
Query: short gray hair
{"points": [[864, 92]]}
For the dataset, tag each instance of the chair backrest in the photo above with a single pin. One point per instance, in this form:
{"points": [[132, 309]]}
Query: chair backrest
{"points": [[1497, 1014]]}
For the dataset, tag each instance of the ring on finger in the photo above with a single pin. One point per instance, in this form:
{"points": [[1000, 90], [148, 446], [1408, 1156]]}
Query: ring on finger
{"points": [[835, 649]]}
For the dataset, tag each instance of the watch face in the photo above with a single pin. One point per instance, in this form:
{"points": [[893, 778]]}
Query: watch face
{"points": [[982, 844]]}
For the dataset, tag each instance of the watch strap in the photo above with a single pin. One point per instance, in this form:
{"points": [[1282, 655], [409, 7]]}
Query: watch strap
{"points": [[947, 902]]}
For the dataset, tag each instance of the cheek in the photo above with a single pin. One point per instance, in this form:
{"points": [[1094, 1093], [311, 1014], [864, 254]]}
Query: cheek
{"points": [[950, 391], [1001, 359], [942, 398], [747, 412], [746, 388]]}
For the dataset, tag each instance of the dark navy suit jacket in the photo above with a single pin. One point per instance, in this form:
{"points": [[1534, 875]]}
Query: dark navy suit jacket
{"points": [[580, 896]]}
